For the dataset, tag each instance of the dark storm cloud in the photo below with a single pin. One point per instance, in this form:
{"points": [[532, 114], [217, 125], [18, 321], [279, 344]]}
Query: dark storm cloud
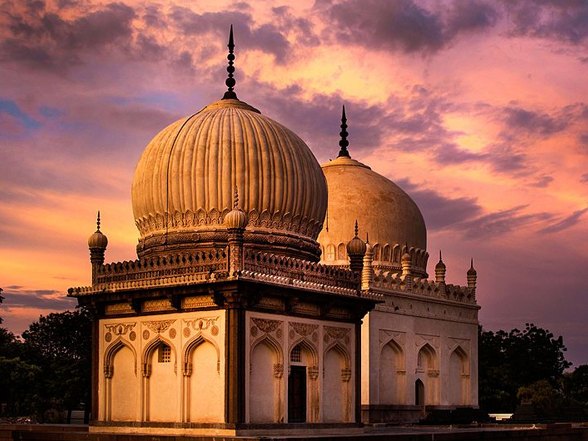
{"points": [[266, 37], [563, 20], [565, 223], [404, 24], [302, 28], [441, 212], [517, 118], [18, 297], [45, 40], [501, 222], [466, 216]]}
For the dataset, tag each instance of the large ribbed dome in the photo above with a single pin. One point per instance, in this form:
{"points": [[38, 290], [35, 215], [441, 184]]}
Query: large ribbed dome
{"points": [[185, 181], [381, 208]]}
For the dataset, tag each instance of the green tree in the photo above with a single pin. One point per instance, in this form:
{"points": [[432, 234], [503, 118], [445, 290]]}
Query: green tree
{"points": [[19, 382], [60, 343], [575, 387], [509, 361]]}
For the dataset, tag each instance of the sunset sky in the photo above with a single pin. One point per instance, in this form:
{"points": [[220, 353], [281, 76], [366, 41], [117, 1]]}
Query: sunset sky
{"points": [[478, 109]]}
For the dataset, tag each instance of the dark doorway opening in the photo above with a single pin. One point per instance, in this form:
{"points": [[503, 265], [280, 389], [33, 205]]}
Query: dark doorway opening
{"points": [[419, 393], [297, 395]]}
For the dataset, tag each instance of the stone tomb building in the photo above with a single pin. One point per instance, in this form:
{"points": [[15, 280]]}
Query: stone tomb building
{"points": [[235, 320]]}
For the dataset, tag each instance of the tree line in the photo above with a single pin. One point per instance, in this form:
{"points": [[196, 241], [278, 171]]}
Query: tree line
{"points": [[529, 367], [47, 371]]}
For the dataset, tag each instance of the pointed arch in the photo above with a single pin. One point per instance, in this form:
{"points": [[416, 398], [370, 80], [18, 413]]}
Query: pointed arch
{"points": [[308, 347], [336, 384], [265, 381], [152, 346], [428, 373], [191, 346], [272, 343], [111, 351], [459, 377], [342, 350], [427, 358], [392, 373]]}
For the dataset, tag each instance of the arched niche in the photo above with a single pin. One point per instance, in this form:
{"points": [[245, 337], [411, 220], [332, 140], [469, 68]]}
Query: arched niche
{"points": [[203, 384], [392, 373], [337, 384], [265, 381], [160, 381], [459, 378], [307, 385], [428, 373], [121, 382]]}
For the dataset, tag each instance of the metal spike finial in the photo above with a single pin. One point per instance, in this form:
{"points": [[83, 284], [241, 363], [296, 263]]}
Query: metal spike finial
{"points": [[230, 81], [343, 143], [367, 237], [472, 264], [98, 222], [356, 228], [440, 257]]}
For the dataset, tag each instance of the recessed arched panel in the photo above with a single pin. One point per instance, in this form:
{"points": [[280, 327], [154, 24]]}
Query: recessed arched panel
{"points": [[334, 393], [458, 378], [262, 397], [392, 374], [206, 386], [124, 394], [162, 383]]}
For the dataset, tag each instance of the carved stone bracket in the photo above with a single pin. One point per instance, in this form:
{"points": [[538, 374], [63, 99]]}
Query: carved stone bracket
{"points": [[278, 370], [313, 372], [346, 375]]}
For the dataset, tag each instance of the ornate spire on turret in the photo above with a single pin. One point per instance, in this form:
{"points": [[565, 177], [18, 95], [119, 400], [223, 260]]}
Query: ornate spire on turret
{"points": [[440, 270], [343, 143], [97, 243], [356, 249], [236, 218], [230, 81], [472, 277]]}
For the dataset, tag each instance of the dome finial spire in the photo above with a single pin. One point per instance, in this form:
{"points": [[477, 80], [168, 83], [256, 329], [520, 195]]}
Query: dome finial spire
{"points": [[356, 228], [230, 81], [343, 143], [98, 221]]}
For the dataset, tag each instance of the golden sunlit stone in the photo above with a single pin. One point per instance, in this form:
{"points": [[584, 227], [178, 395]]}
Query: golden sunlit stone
{"points": [[381, 208], [184, 182]]}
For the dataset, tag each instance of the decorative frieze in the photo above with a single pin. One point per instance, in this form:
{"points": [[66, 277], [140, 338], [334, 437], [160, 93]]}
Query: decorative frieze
{"points": [[157, 305], [201, 324], [159, 326], [118, 308], [117, 329]]}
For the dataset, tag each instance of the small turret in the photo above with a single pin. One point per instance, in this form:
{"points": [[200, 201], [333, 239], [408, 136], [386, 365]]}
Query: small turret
{"points": [[97, 243], [406, 263], [356, 249], [440, 270], [367, 274], [472, 277], [236, 220]]}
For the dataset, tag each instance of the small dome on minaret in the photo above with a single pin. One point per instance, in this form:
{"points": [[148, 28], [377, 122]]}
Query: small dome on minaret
{"points": [[98, 240], [356, 246], [472, 272], [236, 218]]}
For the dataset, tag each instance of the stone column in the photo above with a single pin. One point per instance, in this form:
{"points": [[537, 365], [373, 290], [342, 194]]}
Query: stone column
{"points": [[235, 359]]}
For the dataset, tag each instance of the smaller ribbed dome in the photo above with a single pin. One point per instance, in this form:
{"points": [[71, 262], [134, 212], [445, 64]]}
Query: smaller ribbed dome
{"points": [[97, 241], [356, 246]]}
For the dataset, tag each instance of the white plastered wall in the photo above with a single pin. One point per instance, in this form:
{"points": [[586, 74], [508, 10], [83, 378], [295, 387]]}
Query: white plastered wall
{"points": [[330, 387], [410, 324], [134, 385]]}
